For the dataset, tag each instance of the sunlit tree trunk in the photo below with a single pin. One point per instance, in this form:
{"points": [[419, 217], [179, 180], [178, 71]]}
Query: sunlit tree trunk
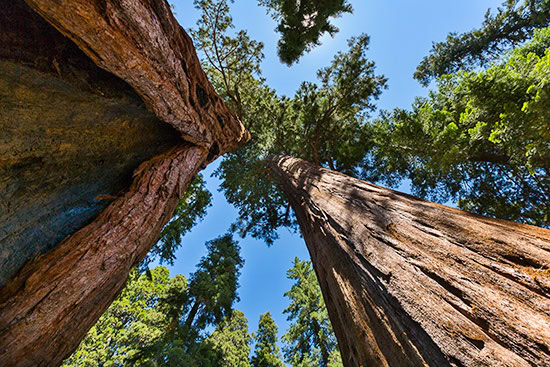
{"points": [[91, 147], [413, 283]]}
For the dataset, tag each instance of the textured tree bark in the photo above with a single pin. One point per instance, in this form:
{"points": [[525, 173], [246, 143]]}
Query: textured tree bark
{"points": [[413, 283], [142, 43], [60, 167], [47, 309]]}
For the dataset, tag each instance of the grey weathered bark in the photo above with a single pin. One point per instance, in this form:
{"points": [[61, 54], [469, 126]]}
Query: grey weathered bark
{"points": [[60, 167], [413, 283], [47, 308]]}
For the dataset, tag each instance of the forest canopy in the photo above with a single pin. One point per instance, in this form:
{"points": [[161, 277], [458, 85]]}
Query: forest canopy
{"points": [[481, 138]]}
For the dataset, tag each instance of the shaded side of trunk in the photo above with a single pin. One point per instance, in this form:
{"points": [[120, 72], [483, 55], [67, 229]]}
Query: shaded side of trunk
{"points": [[413, 283], [65, 154], [48, 308], [71, 135]]}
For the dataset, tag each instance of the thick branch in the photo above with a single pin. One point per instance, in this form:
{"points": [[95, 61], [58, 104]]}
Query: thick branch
{"points": [[141, 42]]}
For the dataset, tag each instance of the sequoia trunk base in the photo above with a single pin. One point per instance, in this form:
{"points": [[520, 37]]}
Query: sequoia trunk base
{"points": [[413, 283], [49, 306]]}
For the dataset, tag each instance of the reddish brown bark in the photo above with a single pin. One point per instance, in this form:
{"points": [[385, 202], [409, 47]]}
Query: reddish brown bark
{"points": [[413, 283], [141, 42], [48, 308], [54, 300]]}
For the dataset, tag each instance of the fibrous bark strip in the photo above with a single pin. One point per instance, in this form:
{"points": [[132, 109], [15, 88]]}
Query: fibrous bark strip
{"points": [[413, 283]]}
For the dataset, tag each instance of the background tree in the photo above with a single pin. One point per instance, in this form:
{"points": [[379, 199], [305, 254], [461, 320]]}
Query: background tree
{"points": [[134, 320], [157, 321], [482, 138], [231, 341], [510, 26], [213, 286], [309, 340], [325, 123], [266, 351], [303, 23]]}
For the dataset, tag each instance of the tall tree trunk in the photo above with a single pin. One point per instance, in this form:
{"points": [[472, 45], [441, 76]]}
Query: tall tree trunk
{"points": [[189, 321], [413, 283], [47, 308]]}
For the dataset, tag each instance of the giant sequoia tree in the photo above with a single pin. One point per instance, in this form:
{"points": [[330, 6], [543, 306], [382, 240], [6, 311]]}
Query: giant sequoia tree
{"points": [[141, 49], [413, 283]]}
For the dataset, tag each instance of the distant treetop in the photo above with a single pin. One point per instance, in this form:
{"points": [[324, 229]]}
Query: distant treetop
{"points": [[302, 23]]}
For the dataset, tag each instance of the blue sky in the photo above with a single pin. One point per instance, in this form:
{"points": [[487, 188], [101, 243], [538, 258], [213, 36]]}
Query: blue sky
{"points": [[402, 32]]}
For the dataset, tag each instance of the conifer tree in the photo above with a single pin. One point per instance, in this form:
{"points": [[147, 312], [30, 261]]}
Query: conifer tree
{"points": [[266, 351], [213, 286], [162, 321], [481, 138], [231, 341], [309, 340], [509, 27]]}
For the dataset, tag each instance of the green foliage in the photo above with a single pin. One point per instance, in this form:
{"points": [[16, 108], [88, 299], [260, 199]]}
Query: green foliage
{"points": [[309, 341], [482, 138], [231, 341], [510, 26], [303, 23], [161, 321], [230, 62], [325, 124], [190, 210], [136, 318], [266, 351]]}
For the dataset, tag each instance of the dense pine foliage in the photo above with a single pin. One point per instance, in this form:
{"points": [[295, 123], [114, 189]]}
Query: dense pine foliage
{"points": [[154, 321], [510, 26]]}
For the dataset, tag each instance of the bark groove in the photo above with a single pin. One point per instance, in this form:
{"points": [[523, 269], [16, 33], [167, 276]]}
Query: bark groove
{"points": [[413, 283]]}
